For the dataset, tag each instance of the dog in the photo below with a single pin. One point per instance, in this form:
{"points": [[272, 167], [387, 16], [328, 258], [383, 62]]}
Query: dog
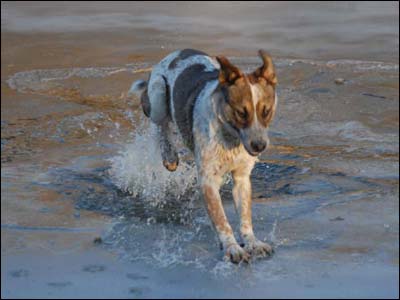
{"points": [[222, 115]]}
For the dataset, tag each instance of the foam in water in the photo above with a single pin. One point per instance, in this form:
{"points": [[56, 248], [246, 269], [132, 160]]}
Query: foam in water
{"points": [[41, 79], [138, 169]]}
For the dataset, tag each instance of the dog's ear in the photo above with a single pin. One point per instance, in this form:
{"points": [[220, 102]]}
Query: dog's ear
{"points": [[228, 72], [267, 70]]}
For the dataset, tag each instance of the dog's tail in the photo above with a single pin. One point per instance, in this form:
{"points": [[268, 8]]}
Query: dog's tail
{"points": [[139, 88]]}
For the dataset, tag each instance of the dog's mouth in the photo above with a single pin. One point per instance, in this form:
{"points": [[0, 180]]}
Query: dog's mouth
{"points": [[254, 153], [251, 152]]}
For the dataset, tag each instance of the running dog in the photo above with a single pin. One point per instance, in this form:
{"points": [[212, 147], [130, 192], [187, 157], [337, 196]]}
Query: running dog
{"points": [[222, 116]]}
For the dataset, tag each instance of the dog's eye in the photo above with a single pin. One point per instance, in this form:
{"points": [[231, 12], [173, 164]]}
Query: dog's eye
{"points": [[242, 114], [265, 112]]}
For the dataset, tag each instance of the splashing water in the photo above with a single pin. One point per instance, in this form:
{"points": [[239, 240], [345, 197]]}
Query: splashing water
{"points": [[138, 169]]}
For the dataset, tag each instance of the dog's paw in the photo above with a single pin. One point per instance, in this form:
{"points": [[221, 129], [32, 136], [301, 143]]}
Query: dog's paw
{"points": [[236, 254], [171, 166], [258, 249]]}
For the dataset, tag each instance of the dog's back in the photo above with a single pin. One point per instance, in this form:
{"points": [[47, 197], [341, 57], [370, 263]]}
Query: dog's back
{"points": [[174, 86]]}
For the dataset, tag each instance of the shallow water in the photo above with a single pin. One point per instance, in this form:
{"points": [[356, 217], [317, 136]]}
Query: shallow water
{"points": [[88, 209], [325, 194]]}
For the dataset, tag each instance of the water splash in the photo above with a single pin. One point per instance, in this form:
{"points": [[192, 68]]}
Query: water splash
{"points": [[138, 169], [272, 234]]}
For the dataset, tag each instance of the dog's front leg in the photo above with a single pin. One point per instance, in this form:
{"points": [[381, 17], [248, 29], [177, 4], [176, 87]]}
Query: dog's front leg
{"points": [[242, 198], [169, 154], [233, 251]]}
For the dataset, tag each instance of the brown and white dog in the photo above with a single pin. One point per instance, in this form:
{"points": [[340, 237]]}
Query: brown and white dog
{"points": [[222, 115]]}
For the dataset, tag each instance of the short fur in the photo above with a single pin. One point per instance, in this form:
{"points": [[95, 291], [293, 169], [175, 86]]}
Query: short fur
{"points": [[222, 115]]}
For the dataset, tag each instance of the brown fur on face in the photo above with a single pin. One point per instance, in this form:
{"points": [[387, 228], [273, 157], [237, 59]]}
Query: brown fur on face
{"points": [[265, 108], [237, 91], [240, 108]]}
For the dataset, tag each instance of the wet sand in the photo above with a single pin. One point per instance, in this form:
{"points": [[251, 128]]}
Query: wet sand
{"points": [[326, 192]]}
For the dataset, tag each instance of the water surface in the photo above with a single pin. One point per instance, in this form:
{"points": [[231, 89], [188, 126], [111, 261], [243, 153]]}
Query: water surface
{"points": [[88, 209]]}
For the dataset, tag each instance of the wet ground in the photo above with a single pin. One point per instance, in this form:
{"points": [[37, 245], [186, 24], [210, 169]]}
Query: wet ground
{"points": [[87, 209]]}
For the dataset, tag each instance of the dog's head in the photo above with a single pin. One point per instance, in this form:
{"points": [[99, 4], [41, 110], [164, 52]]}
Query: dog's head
{"points": [[249, 101]]}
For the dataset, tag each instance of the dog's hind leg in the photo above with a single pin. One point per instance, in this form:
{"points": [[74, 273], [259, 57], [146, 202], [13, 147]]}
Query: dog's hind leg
{"points": [[158, 94]]}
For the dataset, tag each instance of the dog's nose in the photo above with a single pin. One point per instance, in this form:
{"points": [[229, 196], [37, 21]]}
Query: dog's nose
{"points": [[258, 146]]}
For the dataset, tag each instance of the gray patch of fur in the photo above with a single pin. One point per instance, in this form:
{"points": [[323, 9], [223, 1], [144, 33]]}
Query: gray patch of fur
{"points": [[183, 55], [230, 141], [186, 90]]}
